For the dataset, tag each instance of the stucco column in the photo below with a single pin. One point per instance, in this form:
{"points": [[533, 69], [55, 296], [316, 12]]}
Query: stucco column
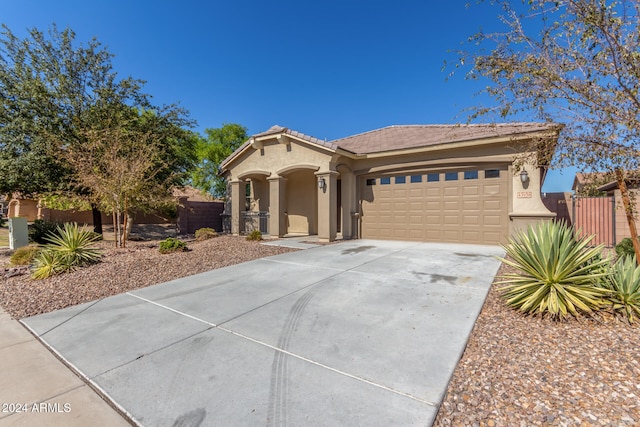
{"points": [[348, 201], [327, 206], [237, 206], [527, 207], [277, 206]]}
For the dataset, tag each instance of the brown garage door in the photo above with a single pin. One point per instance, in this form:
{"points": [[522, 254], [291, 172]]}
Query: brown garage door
{"points": [[468, 206]]}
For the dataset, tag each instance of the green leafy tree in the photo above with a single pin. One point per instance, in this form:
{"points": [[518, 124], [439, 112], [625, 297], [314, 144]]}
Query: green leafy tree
{"points": [[218, 145], [128, 160], [54, 95], [575, 62]]}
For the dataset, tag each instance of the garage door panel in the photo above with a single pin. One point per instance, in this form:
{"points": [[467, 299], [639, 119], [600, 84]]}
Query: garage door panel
{"points": [[492, 190], [417, 220], [471, 205], [492, 220], [416, 206], [434, 220], [471, 236], [471, 210], [451, 220], [451, 191], [451, 206], [491, 236], [450, 235], [470, 220], [470, 190]]}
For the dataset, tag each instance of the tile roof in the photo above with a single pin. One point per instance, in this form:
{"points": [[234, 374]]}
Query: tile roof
{"points": [[415, 136], [400, 137]]}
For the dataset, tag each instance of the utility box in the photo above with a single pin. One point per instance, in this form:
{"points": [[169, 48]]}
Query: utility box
{"points": [[18, 232]]}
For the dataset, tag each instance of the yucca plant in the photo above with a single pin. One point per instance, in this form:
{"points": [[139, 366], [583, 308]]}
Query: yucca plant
{"points": [[69, 247], [47, 263], [557, 272], [624, 284], [74, 245]]}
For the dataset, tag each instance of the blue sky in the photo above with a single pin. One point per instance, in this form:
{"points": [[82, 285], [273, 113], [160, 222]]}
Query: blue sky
{"points": [[326, 68]]}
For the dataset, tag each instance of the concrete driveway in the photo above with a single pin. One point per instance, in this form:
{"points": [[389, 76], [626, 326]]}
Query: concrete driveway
{"points": [[357, 333]]}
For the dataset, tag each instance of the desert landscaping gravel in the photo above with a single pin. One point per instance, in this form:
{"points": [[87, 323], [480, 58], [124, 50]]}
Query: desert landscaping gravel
{"points": [[138, 265], [526, 371], [516, 370]]}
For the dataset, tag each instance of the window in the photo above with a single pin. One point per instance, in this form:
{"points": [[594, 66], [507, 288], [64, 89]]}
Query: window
{"points": [[433, 177], [385, 181], [401, 179], [471, 175], [371, 181], [492, 173], [451, 176], [416, 178]]}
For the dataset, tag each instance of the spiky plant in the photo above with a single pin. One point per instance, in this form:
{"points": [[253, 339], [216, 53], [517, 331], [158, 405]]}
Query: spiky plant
{"points": [[74, 245], [624, 284], [556, 272], [47, 263]]}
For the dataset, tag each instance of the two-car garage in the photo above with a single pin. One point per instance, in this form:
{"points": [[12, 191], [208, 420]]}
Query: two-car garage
{"points": [[468, 205]]}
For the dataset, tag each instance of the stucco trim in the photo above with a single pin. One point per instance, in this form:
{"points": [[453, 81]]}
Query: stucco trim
{"points": [[293, 168], [247, 174]]}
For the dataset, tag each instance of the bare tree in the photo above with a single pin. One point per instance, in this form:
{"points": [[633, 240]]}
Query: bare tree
{"points": [[575, 62]]}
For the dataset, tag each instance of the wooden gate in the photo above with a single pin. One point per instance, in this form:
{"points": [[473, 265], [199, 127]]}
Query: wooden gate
{"points": [[595, 215]]}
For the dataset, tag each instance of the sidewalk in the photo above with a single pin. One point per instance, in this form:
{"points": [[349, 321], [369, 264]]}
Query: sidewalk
{"points": [[37, 389]]}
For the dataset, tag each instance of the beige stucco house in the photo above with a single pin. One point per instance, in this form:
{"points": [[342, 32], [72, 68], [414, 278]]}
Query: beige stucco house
{"points": [[441, 183]]}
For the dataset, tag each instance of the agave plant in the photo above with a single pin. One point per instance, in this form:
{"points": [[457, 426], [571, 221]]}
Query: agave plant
{"points": [[47, 263], [624, 284], [69, 248], [73, 245], [557, 272]]}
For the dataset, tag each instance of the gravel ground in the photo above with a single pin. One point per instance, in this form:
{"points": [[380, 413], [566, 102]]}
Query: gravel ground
{"points": [[516, 370], [121, 270], [527, 371]]}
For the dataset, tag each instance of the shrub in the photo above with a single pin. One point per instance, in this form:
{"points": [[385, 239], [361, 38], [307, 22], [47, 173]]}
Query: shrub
{"points": [[24, 255], [171, 244], [2, 220], [47, 263], [254, 235], [40, 229], [69, 248], [205, 234], [557, 273], [624, 284], [625, 247]]}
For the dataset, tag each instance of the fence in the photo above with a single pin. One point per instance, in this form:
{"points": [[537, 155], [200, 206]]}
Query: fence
{"points": [[595, 215], [195, 215], [256, 221]]}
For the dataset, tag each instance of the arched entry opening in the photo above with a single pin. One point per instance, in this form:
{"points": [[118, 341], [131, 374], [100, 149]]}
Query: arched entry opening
{"points": [[255, 190], [301, 202]]}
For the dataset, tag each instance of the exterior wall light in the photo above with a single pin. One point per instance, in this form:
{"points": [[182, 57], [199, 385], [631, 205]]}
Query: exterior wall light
{"points": [[524, 176], [321, 183]]}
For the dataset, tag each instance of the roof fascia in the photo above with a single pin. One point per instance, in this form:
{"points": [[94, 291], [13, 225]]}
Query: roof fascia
{"points": [[454, 145]]}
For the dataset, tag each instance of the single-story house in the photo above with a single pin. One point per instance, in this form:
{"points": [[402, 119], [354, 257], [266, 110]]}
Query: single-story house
{"points": [[442, 183]]}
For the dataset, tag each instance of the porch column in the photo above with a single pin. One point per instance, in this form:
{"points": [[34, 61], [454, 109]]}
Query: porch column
{"points": [[348, 201], [237, 206], [327, 205], [277, 206]]}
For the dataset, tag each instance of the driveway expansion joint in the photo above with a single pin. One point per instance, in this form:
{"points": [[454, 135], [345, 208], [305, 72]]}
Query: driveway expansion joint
{"points": [[288, 353]]}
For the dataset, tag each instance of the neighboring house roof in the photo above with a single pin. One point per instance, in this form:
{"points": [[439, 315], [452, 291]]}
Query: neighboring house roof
{"points": [[399, 137], [582, 179], [193, 194], [601, 181]]}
